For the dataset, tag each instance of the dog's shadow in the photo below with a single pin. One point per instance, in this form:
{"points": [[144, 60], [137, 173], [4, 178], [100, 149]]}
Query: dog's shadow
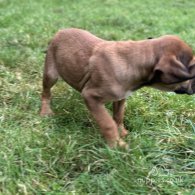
{"points": [[71, 117]]}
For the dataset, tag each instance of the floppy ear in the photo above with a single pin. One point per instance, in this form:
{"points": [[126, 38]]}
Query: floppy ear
{"points": [[170, 70]]}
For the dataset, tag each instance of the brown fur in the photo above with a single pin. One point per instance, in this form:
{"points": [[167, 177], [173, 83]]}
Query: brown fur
{"points": [[110, 70]]}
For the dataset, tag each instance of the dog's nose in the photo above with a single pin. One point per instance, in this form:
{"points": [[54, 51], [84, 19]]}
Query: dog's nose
{"points": [[193, 86], [190, 92]]}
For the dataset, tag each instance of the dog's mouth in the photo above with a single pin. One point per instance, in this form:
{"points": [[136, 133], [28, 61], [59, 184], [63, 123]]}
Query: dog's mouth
{"points": [[188, 88], [184, 91]]}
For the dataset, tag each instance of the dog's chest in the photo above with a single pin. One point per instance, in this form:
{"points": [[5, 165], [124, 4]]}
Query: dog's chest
{"points": [[125, 95], [128, 93]]}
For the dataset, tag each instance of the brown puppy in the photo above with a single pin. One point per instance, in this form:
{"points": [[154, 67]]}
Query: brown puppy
{"points": [[111, 70]]}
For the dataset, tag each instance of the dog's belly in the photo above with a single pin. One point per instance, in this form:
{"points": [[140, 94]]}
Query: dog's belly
{"points": [[74, 74], [73, 65]]}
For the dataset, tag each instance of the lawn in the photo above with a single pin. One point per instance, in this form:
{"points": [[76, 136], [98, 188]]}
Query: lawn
{"points": [[64, 154]]}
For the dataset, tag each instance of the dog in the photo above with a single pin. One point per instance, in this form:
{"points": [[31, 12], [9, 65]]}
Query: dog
{"points": [[105, 71]]}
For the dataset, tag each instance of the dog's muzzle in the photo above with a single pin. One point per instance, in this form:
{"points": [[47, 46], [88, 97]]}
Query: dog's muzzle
{"points": [[183, 91]]}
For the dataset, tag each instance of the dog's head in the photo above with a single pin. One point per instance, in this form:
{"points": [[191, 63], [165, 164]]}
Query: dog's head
{"points": [[175, 69], [175, 77]]}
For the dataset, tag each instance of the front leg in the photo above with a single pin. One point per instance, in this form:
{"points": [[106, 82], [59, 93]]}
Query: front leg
{"points": [[108, 127], [118, 115]]}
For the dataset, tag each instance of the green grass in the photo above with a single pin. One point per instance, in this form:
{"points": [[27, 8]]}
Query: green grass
{"points": [[65, 154]]}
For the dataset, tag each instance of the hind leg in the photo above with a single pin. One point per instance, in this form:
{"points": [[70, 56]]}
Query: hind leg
{"points": [[48, 82], [50, 77]]}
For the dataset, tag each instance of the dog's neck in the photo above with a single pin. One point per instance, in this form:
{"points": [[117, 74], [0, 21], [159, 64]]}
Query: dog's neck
{"points": [[141, 59]]}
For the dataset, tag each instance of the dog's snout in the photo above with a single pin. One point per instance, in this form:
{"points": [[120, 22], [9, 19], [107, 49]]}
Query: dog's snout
{"points": [[184, 91], [190, 92], [180, 91]]}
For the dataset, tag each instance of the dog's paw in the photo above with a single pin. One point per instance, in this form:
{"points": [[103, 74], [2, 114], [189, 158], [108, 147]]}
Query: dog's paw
{"points": [[118, 143], [123, 132], [47, 112], [123, 144]]}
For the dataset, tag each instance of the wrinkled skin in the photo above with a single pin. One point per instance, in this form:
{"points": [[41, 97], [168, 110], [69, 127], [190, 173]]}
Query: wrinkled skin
{"points": [[188, 87]]}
